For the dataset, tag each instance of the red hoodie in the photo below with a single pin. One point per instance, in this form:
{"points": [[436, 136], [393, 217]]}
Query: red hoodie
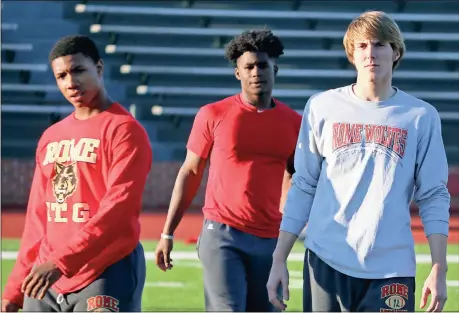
{"points": [[85, 199]]}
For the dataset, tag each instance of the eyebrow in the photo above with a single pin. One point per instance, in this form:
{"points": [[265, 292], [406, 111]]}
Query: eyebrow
{"points": [[367, 41], [253, 63], [73, 68]]}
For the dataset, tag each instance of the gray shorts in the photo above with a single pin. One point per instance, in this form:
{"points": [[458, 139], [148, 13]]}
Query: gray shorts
{"points": [[119, 288], [327, 290], [236, 268]]}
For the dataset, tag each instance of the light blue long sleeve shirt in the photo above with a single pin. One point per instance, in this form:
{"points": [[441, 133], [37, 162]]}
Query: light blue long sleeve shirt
{"points": [[359, 164]]}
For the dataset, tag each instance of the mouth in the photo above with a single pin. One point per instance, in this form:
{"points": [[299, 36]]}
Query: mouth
{"points": [[371, 66], [258, 83], [76, 96]]}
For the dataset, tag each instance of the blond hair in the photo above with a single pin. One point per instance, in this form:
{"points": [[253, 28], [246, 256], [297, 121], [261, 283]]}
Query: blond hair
{"points": [[374, 25]]}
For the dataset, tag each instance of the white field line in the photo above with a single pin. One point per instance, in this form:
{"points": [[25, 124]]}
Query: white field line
{"points": [[294, 283], [165, 284], [192, 256], [297, 283], [296, 277]]}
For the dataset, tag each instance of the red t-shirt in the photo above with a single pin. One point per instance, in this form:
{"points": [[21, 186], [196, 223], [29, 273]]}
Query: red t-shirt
{"points": [[249, 151], [85, 199]]}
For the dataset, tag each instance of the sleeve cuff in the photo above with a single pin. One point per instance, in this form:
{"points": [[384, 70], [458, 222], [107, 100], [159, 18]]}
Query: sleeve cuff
{"points": [[17, 298], [201, 152], [64, 269], [291, 225], [436, 227]]}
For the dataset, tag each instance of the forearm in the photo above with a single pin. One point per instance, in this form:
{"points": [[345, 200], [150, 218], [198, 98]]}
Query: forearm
{"points": [[31, 240], [286, 183], [185, 189], [284, 245], [21, 269], [297, 206], [438, 244], [97, 237]]}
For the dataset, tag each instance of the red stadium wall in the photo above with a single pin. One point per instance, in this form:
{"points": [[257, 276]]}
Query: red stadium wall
{"points": [[17, 176]]}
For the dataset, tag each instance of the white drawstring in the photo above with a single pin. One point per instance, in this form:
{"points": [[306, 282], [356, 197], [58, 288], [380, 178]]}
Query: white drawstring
{"points": [[60, 298]]}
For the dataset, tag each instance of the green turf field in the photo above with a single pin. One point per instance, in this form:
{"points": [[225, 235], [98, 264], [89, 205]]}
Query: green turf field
{"points": [[181, 288]]}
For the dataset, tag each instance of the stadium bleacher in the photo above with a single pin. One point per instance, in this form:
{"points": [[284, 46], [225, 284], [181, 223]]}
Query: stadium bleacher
{"points": [[164, 59]]}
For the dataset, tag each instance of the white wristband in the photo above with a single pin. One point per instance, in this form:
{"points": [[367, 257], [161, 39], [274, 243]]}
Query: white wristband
{"points": [[164, 236]]}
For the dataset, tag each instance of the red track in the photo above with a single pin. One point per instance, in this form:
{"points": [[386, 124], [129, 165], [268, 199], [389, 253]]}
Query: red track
{"points": [[13, 225]]}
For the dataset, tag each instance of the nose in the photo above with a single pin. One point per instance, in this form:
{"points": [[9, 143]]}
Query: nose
{"points": [[370, 51], [256, 71], [71, 82]]}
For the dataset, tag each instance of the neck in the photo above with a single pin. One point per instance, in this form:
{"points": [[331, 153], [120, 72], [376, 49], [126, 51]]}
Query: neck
{"points": [[101, 103], [374, 91], [262, 101]]}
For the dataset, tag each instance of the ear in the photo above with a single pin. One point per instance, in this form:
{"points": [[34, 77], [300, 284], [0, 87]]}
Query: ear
{"points": [[58, 167], [276, 69], [100, 67], [396, 55], [73, 166], [236, 73]]}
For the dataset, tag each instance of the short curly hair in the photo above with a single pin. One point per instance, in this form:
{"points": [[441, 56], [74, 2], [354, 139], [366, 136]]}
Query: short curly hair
{"points": [[74, 44], [260, 40]]}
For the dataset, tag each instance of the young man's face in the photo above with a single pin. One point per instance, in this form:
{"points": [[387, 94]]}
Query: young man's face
{"points": [[78, 78], [256, 72], [374, 59]]}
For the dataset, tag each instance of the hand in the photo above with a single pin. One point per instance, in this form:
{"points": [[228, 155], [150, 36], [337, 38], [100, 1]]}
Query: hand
{"points": [[8, 306], [278, 277], [40, 279], [435, 285], [163, 254]]}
